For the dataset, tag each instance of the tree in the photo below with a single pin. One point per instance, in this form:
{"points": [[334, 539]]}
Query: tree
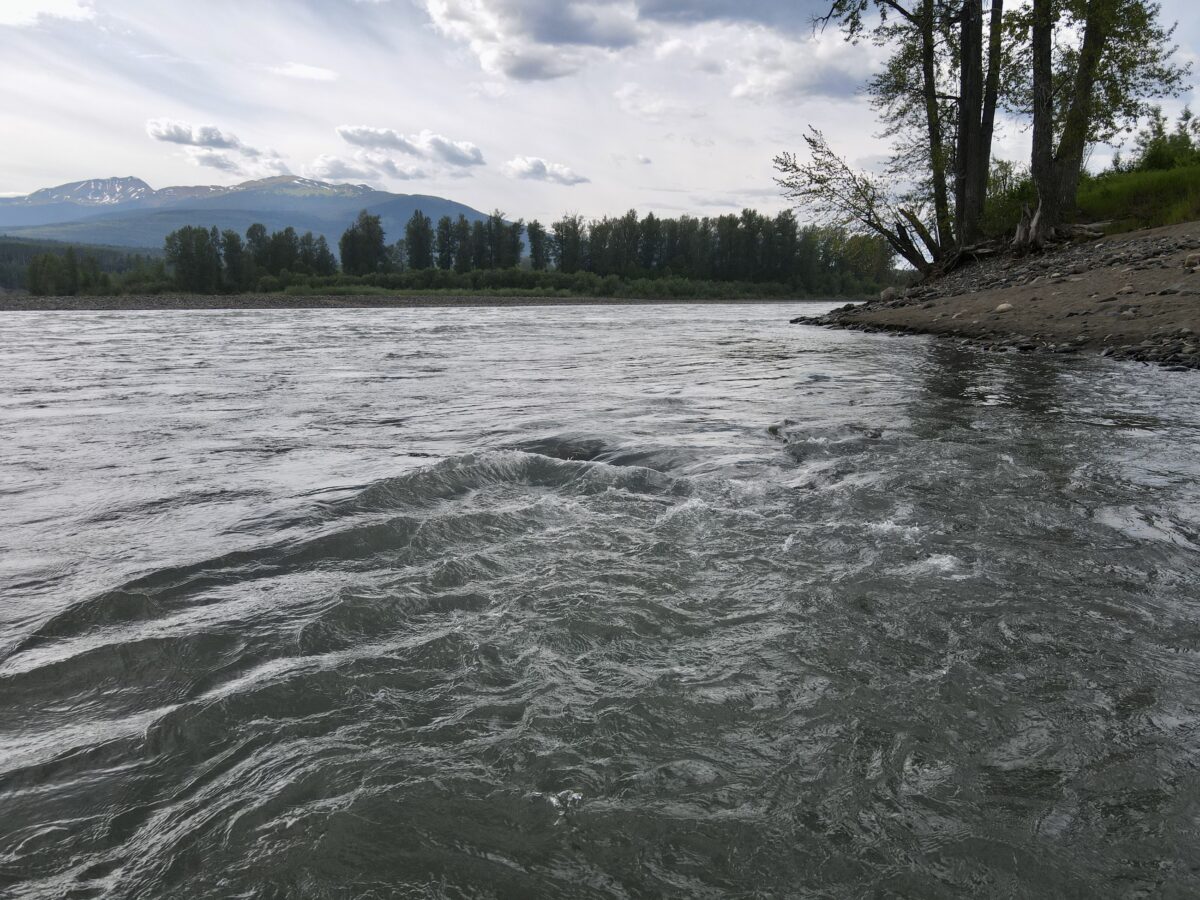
{"points": [[1156, 149], [837, 195], [978, 100], [284, 254], [418, 241], [69, 279], [324, 262], [538, 253], [45, 274], [513, 246], [650, 243], [258, 245], [464, 256], [1093, 65], [362, 246], [447, 243], [194, 255], [567, 244], [909, 94], [239, 266], [481, 246]]}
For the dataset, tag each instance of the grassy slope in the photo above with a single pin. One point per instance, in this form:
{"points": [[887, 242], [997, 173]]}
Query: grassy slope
{"points": [[1135, 200]]}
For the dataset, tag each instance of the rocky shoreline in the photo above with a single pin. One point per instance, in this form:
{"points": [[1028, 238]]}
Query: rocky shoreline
{"points": [[1133, 296]]}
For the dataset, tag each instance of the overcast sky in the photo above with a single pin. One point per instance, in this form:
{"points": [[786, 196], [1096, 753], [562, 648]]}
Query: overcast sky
{"points": [[534, 107]]}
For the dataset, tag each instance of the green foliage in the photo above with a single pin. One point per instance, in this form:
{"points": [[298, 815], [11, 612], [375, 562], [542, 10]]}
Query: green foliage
{"points": [[1140, 62], [538, 249], [447, 243], [1123, 199], [418, 241], [1157, 149], [1010, 190], [1142, 199], [194, 255], [95, 266], [623, 257], [362, 246]]}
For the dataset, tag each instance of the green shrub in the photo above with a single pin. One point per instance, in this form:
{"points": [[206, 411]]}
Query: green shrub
{"points": [[1131, 200]]}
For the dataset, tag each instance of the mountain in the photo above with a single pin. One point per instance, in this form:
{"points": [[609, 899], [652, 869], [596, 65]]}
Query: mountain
{"points": [[127, 212]]}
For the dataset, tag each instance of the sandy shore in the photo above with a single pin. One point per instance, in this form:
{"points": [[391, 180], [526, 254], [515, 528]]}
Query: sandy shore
{"points": [[1131, 296], [27, 303]]}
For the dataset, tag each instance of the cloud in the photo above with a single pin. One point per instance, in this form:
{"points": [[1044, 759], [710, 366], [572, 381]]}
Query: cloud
{"points": [[213, 159], [644, 160], [535, 168], [427, 145], [210, 147], [262, 167], [536, 40], [303, 72], [455, 153], [763, 12], [770, 66], [28, 12], [173, 132], [363, 136], [364, 166], [637, 101]]}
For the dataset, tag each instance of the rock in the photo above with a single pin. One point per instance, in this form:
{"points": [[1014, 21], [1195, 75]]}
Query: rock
{"points": [[1109, 299], [1128, 289], [887, 295], [1191, 261], [1004, 307]]}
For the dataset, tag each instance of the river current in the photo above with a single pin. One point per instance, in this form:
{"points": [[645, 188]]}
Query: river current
{"points": [[587, 602]]}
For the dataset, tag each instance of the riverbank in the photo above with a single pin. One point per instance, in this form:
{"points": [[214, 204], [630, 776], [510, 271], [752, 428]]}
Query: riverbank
{"points": [[1130, 296], [27, 303]]}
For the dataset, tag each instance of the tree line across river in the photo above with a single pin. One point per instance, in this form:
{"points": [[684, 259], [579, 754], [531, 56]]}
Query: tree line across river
{"points": [[730, 255]]}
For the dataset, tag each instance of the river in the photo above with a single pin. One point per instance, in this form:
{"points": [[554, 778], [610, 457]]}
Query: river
{"points": [[588, 602]]}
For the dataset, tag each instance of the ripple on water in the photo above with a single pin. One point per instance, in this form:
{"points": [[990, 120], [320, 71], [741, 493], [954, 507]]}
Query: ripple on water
{"points": [[929, 634]]}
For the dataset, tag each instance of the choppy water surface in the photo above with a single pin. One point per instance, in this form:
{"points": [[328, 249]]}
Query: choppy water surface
{"points": [[584, 602]]}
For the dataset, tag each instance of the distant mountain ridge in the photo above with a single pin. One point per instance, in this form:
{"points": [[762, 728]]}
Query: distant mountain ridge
{"points": [[128, 212]]}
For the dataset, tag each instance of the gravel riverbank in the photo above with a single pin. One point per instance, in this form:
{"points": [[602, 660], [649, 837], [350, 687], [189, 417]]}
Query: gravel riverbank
{"points": [[1131, 296]]}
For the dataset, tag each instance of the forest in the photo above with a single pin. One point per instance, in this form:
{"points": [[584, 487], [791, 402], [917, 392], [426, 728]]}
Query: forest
{"points": [[748, 254]]}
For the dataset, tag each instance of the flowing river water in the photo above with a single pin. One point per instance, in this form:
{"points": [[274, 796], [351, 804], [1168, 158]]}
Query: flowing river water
{"points": [[584, 602]]}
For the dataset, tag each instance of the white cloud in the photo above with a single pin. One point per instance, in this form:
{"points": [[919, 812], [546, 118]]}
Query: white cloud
{"points": [[214, 159], [535, 168], [536, 40], [364, 136], [434, 147], [303, 72], [363, 166], [259, 167], [771, 66], [209, 147], [27, 12], [174, 132]]}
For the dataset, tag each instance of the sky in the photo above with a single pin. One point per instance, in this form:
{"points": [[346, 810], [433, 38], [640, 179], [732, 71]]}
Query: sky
{"points": [[533, 107]]}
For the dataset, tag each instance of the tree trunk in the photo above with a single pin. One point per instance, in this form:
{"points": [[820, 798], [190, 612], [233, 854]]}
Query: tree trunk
{"points": [[1047, 217], [937, 157], [991, 99], [1073, 142], [967, 199]]}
